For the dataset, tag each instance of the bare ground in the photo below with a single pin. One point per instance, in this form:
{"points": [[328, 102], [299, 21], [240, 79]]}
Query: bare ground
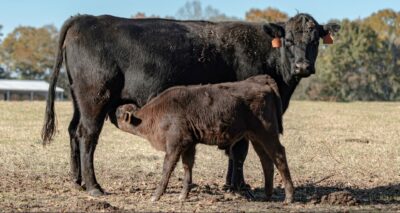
{"points": [[343, 156]]}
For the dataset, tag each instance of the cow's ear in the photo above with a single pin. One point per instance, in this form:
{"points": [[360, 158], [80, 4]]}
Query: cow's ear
{"points": [[274, 30], [331, 28]]}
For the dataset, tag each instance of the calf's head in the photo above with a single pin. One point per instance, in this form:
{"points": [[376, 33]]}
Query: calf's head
{"points": [[300, 40], [126, 119]]}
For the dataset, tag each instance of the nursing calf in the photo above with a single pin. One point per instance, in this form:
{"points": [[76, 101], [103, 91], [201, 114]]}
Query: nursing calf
{"points": [[214, 114]]}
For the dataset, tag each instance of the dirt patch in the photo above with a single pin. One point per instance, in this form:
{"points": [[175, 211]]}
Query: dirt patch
{"points": [[95, 206], [343, 198], [357, 140]]}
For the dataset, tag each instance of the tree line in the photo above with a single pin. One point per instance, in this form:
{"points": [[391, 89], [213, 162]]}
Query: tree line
{"points": [[363, 64]]}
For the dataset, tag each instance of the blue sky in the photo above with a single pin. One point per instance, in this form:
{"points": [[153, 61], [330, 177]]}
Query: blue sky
{"points": [[41, 12]]}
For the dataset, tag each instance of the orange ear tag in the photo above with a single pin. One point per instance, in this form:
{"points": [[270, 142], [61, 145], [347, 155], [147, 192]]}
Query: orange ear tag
{"points": [[276, 42], [328, 39]]}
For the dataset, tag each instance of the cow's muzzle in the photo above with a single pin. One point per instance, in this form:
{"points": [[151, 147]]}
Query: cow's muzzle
{"points": [[302, 69]]}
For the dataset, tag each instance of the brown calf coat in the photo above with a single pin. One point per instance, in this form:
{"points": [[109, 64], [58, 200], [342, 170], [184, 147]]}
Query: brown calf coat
{"points": [[216, 114]]}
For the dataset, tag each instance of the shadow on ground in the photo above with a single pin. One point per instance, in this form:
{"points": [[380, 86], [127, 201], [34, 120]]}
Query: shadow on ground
{"points": [[336, 195]]}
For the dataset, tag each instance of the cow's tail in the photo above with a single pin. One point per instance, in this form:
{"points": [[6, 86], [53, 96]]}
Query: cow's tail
{"points": [[49, 127]]}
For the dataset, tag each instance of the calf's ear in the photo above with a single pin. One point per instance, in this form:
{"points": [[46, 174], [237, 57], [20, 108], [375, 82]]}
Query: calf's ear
{"points": [[274, 30], [127, 117], [130, 118]]}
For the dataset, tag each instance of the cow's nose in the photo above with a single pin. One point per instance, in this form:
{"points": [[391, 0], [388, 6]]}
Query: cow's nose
{"points": [[301, 66]]}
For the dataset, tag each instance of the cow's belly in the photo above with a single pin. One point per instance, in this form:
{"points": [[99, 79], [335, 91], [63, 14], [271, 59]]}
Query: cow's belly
{"points": [[140, 86]]}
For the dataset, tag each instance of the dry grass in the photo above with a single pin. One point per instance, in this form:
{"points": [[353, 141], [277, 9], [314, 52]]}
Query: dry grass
{"points": [[331, 147]]}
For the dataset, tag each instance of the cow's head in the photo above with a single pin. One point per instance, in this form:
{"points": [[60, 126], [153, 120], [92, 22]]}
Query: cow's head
{"points": [[299, 38]]}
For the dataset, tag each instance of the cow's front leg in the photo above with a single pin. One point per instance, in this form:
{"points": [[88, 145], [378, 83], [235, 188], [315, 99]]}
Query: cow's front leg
{"points": [[237, 156]]}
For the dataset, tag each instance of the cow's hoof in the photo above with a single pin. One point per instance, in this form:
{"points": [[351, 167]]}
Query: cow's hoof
{"points": [[237, 188], [96, 192], [227, 188], [248, 194]]}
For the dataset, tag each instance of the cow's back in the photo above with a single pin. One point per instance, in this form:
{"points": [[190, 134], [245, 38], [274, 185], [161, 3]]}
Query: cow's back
{"points": [[149, 55]]}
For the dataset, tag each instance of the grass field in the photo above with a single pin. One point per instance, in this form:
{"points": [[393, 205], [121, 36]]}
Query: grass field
{"points": [[343, 156]]}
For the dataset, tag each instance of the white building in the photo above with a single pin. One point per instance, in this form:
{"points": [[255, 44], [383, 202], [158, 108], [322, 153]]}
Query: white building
{"points": [[27, 90]]}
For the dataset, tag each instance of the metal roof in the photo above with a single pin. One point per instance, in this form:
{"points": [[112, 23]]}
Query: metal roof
{"points": [[26, 85]]}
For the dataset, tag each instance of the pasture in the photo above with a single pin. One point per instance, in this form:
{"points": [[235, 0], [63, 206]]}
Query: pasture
{"points": [[342, 156]]}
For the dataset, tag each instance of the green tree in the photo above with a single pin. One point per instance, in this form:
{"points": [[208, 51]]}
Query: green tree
{"points": [[267, 15], [1, 34], [29, 51], [386, 23], [356, 67], [3, 73]]}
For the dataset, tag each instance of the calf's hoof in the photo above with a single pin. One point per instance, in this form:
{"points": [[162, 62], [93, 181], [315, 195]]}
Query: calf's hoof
{"points": [[183, 196], [78, 186], [96, 192], [154, 198], [288, 200]]}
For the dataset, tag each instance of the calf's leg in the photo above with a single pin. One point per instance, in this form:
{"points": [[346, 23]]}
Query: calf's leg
{"points": [[170, 160], [268, 169], [187, 161], [276, 152]]}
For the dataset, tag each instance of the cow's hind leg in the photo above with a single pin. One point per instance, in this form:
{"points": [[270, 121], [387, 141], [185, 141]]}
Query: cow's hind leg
{"points": [[91, 122], [187, 162], [170, 160], [268, 169], [97, 83], [89, 129], [74, 142]]}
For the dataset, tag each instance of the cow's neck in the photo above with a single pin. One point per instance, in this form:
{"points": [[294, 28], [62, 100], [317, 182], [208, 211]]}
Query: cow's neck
{"points": [[286, 91], [282, 76]]}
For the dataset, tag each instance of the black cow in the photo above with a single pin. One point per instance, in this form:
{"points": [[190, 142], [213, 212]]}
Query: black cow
{"points": [[112, 61]]}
